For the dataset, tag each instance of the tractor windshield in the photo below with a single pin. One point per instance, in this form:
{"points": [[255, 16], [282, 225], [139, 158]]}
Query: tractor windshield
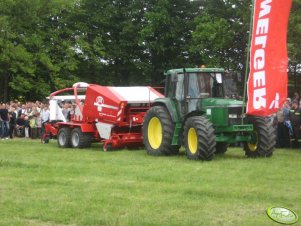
{"points": [[204, 85]]}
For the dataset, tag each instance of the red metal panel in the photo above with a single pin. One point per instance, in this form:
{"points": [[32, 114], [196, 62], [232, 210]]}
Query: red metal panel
{"points": [[101, 104], [85, 127]]}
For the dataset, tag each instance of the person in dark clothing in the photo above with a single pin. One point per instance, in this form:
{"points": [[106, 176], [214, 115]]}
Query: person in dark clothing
{"points": [[4, 121], [20, 123], [283, 137], [295, 118], [296, 98], [12, 122]]}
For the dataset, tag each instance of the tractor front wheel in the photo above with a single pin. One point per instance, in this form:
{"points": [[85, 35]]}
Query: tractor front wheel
{"points": [[263, 138], [158, 131], [80, 139], [199, 138]]}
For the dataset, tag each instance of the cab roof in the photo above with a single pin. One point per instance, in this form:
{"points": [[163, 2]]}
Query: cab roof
{"points": [[194, 70]]}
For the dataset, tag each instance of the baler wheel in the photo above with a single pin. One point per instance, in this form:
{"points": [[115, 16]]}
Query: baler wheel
{"points": [[158, 131], [221, 147], [63, 137], [80, 139], [199, 138], [263, 138]]}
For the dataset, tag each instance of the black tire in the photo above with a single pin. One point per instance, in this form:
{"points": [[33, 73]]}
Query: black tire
{"points": [[199, 138], [221, 147], [80, 139], [264, 138], [158, 129], [63, 137]]}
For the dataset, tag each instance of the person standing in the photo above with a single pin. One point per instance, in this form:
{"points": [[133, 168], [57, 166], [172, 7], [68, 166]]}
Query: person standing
{"points": [[39, 124], [295, 119], [1, 122], [12, 121], [27, 131], [4, 122], [45, 116], [283, 137], [66, 111], [296, 98]]}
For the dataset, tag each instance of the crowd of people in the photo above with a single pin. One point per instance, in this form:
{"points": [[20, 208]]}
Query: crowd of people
{"points": [[27, 120], [23, 120], [288, 123]]}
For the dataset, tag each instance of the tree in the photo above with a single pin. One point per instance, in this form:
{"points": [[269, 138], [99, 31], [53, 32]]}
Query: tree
{"points": [[221, 34], [116, 24], [47, 45], [166, 35], [294, 44], [36, 48]]}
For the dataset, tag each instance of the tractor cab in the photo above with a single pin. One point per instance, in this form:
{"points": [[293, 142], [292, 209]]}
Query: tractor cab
{"points": [[189, 86], [194, 83]]}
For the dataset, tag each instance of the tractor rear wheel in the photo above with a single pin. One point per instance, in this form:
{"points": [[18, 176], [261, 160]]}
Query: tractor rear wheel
{"points": [[63, 137], [263, 138], [199, 138], [158, 131], [80, 139], [221, 147]]}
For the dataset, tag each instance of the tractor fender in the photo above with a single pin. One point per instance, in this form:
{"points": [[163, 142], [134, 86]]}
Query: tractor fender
{"points": [[192, 114], [170, 106]]}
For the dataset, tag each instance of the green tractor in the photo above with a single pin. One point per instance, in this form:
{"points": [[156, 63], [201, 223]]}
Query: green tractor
{"points": [[195, 114]]}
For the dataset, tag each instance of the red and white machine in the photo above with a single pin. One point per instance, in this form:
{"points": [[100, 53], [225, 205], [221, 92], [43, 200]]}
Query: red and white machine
{"points": [[113, 115]]}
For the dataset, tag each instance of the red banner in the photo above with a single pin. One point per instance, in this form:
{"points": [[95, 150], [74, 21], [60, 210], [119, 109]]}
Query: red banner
{"points": [[267, 83]]}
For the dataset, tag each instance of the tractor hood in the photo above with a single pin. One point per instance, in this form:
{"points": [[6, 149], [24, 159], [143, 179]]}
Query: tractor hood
{"points": [[223, 112], [220, 103]]}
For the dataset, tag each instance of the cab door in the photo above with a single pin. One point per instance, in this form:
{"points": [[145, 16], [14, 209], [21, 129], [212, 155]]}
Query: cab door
{"points": [[179, 95], [191, 92]]}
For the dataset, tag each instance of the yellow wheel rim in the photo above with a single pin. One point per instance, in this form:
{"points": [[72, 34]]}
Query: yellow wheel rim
{"points": [[253, 145], [154, 133], [192, 140]]}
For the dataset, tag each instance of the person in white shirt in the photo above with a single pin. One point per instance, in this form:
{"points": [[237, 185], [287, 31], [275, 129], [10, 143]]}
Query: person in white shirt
{"points": [[45, 115]]}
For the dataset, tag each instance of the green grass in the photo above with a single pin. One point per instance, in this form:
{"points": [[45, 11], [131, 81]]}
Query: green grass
{"points": [[45, 185]]}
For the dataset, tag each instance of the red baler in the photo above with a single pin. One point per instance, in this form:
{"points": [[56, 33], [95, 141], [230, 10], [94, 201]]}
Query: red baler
{"points": [[112, 115]]}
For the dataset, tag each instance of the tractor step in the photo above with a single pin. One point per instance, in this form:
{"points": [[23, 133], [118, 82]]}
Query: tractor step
{"points": [[175, 139]]}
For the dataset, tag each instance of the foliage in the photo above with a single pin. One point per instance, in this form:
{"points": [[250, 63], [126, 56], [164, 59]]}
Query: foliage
{"points": [[112, 27], [36, 54], [46, 45], [166, 35], [221, 33], [294, 34]]}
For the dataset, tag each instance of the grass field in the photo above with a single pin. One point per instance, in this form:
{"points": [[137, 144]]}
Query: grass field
{"points": [[44, 185]]}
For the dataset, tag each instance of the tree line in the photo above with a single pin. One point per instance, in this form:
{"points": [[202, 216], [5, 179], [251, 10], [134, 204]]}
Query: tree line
{"points": [[47, 45]]}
